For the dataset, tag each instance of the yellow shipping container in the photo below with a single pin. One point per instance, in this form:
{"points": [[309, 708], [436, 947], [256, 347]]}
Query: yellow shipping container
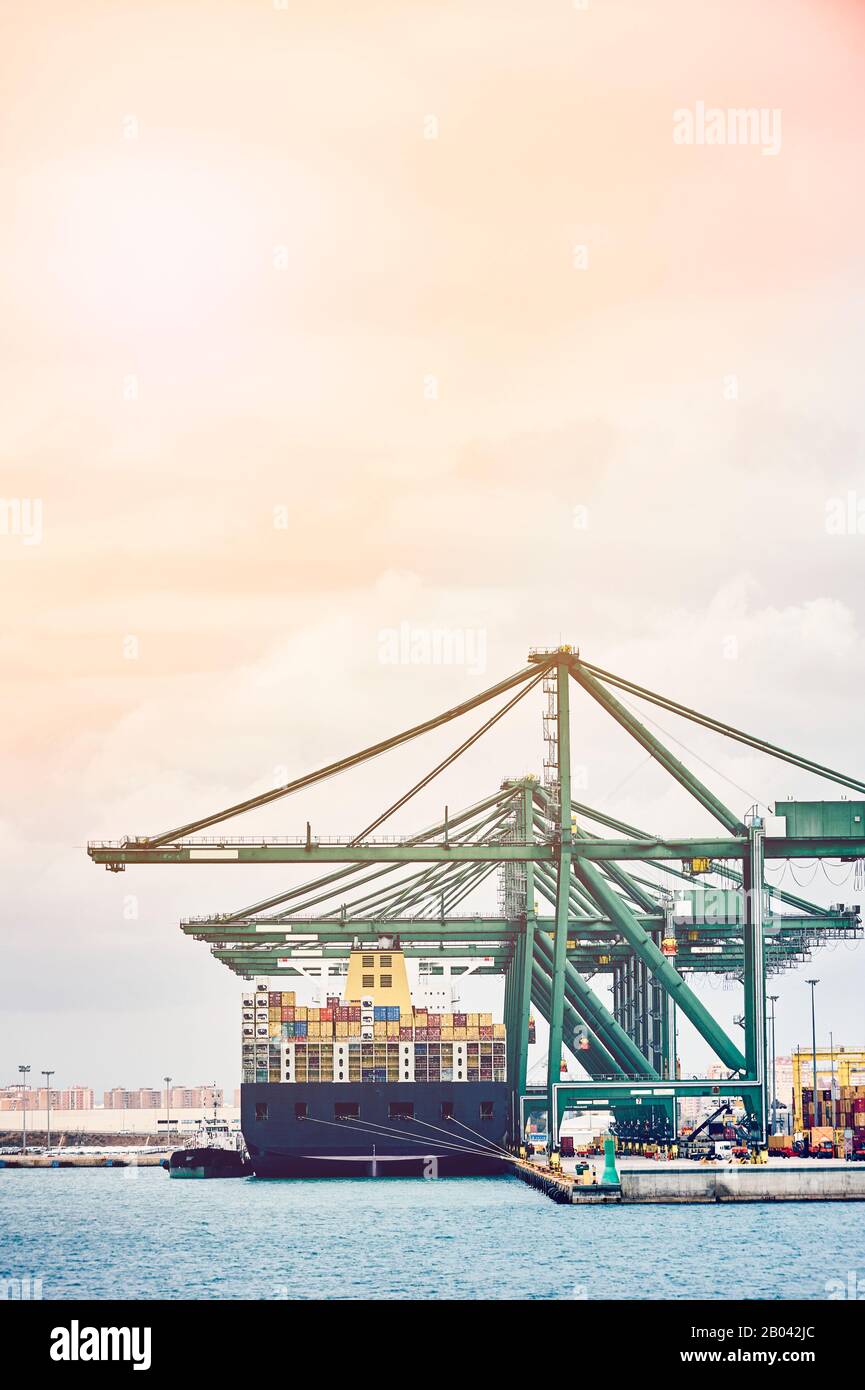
{"points": [[459, 1034], [393, 1028], [300, 1013], [288, 998], [274, 1014], [379, 1030], [447, 1033], [473, 1032], [447, 1020], [472, 1021], [342, 1030], [313, 1015], [313, 1030], [499, 1031], [275, 1030], [485, 1020]]}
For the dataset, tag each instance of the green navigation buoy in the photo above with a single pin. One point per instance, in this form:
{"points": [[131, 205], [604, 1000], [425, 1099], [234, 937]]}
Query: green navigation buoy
{"points": [[610, 1177]]}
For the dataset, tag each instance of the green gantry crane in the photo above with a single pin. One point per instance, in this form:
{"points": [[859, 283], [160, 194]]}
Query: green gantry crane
{"points": [[606, 913]]}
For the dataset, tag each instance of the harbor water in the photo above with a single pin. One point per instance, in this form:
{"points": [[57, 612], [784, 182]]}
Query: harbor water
{"points": [[135, 1234]]}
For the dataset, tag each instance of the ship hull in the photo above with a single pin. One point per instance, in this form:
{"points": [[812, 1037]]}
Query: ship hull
{"points": [[208, 1163], [403, 1129]]}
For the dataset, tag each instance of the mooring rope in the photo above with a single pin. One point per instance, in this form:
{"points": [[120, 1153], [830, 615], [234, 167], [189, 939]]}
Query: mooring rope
{"points": [[384, 1131]]}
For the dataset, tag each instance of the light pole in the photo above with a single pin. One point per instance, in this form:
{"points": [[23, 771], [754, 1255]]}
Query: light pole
{"points": [[48, 1075], [24, 1074], [832, 1081], [773, 999], [817, 1116], [167, 1080]]}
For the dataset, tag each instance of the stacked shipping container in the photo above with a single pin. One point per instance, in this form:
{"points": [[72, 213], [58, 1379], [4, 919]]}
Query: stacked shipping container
{"points": [[354, 1040], [847, 1111]]}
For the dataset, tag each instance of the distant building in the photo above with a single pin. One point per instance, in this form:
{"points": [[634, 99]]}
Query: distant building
{"points": [[784, 1080], [149, 1098], [75, 1098], [119, 1099], [196, 1097]]}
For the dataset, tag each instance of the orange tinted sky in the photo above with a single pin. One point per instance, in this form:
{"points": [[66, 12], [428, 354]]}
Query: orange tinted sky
{"points": [[232, 264]]}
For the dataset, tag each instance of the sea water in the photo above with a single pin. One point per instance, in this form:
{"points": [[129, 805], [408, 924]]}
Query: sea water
{"points": [[138, 1234]]}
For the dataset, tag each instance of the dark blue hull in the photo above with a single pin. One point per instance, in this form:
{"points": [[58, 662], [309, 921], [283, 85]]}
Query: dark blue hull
{"points": [[402, 1129], [208, 1163]]}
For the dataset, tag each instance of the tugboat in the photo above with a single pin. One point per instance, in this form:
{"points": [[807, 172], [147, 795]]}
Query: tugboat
{"points": [[219, 1154]]}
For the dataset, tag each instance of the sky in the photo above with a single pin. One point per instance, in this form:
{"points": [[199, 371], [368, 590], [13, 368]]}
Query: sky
{"points": [[326, 322]]}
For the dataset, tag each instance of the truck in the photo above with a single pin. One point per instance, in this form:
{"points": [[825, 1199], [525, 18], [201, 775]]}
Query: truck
{"points": [[781, 1146], [821, 1142], [857, 1147]]}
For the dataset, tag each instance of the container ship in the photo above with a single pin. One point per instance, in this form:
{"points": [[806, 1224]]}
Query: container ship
{"points": [[370, 1086]]}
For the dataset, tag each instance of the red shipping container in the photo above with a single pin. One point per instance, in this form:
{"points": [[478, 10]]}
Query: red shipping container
{"points": [[460, 1021], [288, 1013], [486, 1031], [405, 1035], [420, 1034], [325, 1015]]}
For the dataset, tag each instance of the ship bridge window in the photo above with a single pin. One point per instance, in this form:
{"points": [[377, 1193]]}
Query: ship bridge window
{"points": [[346, 1110], [301, 1110], [487, 1110], [385, 963], [387, 981], [447, 1109], [261, 1109], [400, 1110], [368, 962], [368, 982]]}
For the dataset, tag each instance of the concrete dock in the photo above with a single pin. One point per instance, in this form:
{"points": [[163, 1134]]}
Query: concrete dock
{"points": [[146, 1159], [684, 1182], [564, 1187], [787, 1181]]}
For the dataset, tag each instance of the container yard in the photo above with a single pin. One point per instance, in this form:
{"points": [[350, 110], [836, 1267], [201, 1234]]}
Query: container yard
{"points": [[365, 1082]]}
